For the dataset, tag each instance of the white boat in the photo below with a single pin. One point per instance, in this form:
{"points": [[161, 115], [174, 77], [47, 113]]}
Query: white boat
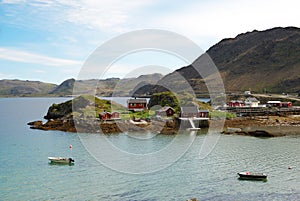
{"points": [[61, 160], [252, 175]]}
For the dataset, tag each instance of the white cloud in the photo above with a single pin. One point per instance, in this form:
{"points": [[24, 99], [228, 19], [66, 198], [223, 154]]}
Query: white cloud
{"points": [[28, 57], [105, 15], [13, 1], [220, 19]]}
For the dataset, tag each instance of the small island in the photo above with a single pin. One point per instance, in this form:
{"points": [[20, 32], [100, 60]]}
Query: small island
{"points": [[163, 114], [89, 114]]}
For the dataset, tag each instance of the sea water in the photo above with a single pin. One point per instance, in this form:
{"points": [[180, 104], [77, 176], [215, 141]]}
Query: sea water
{"points": [[26, 174]]}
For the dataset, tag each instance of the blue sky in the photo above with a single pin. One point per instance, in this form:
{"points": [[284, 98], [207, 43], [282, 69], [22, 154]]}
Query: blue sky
{"points": [[49, 40]]}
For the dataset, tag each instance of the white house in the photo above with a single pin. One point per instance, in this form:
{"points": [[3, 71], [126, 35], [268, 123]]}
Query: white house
{"points": [[251, 102]]}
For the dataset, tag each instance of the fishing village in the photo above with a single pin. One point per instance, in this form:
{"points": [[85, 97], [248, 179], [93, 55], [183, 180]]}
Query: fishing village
{"points": [[245, 116]]}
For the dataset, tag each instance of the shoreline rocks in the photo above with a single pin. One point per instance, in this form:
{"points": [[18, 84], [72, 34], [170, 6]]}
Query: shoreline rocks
{"points": [[255, 133], [109, 127], [256, 127], [263, 126]]}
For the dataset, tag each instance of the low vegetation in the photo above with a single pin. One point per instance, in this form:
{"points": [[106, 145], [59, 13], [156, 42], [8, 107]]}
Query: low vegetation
{"points": [[82, 106]]}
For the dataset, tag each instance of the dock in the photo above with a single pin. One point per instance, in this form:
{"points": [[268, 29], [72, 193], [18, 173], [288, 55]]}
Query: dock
{"points": [[192, 123]]}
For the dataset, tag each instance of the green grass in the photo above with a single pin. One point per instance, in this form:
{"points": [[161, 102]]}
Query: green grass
{"points": [[85, 106]]}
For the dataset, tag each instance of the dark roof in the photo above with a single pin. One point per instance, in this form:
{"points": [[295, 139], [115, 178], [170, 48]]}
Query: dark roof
{"points": [[164, 109], [189, 109], [139, 100]]}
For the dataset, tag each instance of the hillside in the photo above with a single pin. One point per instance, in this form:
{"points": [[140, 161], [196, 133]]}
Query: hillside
{"points": [[258, 61], [24, 88], [271, 56], [105, 87], [85, 105], [65, 87]]}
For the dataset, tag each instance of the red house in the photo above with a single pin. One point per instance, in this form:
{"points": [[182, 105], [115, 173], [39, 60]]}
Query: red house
{"points": [[203, 113], [236, 103], [109, 116], [192, 111], [279, 104], [274, 103], [165, 111], [286, 104], [135, 104]]}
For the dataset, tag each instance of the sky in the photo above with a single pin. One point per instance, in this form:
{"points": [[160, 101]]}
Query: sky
{"points": [[51, 40]]}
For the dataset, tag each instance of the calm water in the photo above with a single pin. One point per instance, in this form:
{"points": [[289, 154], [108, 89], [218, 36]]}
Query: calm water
{"points": [[25, 173]]}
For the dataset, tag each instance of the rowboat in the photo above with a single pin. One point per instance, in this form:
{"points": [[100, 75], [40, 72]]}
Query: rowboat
{"points": [[61, 160], [252, 175]]}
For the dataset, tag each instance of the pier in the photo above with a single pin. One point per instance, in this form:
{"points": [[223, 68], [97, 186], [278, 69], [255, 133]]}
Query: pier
{"points": [[263, 111], [192, 123]]}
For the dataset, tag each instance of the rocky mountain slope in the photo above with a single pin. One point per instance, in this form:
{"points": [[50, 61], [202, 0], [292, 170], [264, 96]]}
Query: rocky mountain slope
{"points": [[258, 61]]}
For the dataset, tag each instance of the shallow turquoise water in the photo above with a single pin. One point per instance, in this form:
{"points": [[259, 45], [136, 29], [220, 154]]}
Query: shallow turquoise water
{"points": [[25, 173]]}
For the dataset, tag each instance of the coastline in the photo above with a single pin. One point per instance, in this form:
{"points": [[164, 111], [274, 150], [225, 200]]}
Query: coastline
{"points": [[169, 127], [274, 126], [259, 126]]}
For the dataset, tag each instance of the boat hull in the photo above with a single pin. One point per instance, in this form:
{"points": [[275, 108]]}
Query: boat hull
{"points": [[61, 160], [252, 176]]}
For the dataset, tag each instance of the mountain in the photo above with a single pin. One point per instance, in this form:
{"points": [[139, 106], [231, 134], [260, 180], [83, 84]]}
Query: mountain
{"points": [[66, 87], [106, 87], [103, 87], [258, 61], [130, 86], [24, 88]]}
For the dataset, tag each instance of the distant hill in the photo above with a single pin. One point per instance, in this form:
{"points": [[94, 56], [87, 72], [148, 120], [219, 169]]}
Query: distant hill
{"points": [[105, 87], [257, 61], [24, 88], [129, 86], [66, 87]]}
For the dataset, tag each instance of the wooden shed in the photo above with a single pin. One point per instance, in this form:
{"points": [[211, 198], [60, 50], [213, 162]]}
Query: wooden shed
{"points": [[137, 104], [165, 111]]}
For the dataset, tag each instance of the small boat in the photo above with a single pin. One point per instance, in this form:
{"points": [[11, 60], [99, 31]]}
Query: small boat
{"points": [[252, 175], [61, 160]]}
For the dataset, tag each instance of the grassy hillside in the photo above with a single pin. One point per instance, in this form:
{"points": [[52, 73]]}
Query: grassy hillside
{"points": [[257, 61], [260, 60], [24, 88], [82, 106]]}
